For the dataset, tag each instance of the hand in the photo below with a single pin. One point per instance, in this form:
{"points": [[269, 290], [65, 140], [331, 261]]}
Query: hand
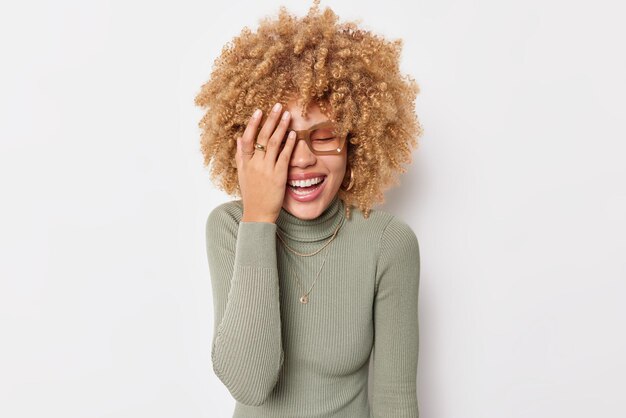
{"points": [[263, 175]]}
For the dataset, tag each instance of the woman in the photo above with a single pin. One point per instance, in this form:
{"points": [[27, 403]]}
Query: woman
{"points": [[304, 287]]}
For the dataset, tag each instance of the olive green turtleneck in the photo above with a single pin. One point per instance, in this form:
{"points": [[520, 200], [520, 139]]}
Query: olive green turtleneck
{"points": [[281, 358]]}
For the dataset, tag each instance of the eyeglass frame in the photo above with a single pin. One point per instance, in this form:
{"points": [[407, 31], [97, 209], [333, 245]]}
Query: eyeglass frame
{"points": [[305, 134]]}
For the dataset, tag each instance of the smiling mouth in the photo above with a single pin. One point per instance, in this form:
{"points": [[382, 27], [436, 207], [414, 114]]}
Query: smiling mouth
{"points": [[305, 190]]}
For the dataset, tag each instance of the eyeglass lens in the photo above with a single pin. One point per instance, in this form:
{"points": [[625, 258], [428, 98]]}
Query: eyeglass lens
{"points": [[322, 139]]}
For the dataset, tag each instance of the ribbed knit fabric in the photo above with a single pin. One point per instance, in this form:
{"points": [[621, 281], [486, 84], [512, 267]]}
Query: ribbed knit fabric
{"points": [[280, 358]]}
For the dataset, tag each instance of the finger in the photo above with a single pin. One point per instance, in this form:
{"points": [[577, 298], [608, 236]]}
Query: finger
{"points": [[249, 135], [269, 126], [283, 159], [275, 141]]}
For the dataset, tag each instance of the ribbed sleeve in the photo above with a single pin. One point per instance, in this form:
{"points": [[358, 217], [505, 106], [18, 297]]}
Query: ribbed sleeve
{"points": [[396, 333], [246, 352]]}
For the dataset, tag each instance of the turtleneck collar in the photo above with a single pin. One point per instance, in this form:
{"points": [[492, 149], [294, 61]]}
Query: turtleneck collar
{"points": [[310, 230]]}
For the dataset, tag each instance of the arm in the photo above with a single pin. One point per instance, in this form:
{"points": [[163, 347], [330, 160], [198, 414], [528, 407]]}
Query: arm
{"points": [[247, 350], [396, 332]]}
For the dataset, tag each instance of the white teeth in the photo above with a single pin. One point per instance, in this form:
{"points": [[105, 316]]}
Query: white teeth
{"points": [[301, 193], [305, 183]]}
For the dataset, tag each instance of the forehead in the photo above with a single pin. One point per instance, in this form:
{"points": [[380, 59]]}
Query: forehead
{"points": [[298, 122]]}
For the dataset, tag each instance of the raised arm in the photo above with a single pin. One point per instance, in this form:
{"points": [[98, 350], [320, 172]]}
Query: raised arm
{"points": [[396, 334], [247, 350]]}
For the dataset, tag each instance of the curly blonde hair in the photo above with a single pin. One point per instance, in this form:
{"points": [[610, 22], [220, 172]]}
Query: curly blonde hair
{"points": [[351, 74]]}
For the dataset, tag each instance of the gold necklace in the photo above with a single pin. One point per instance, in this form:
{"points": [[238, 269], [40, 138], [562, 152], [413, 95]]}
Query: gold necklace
{"points": [[305, 296], [315, 252]]}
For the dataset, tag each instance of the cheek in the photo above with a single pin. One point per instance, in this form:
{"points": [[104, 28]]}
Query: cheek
{"points": [[336, 165]]}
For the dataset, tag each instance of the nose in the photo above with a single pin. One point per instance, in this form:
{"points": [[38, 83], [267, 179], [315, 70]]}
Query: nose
{"points": [[301, 156]]}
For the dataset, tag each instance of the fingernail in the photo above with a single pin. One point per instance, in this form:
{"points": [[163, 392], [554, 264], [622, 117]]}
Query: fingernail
{"points": [[256, 113], [276, 107], [286, 115]]}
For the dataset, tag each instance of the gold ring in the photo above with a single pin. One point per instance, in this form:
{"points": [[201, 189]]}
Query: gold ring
{"points": [[258, 146]]}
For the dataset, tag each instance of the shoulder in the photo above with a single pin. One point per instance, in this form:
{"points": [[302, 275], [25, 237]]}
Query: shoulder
{"points": [[225, 217], [395, 239], [398, 235], [388, 230], [398, 253]]}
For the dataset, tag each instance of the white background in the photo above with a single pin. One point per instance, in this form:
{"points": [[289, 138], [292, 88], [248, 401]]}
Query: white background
{"points": [[517, 195]]}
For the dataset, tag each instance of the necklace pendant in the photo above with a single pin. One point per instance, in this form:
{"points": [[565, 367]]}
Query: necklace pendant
{"points": [[304, 299]]}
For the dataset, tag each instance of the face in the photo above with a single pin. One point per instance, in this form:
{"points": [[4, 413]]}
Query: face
{"points": [[331, 167]]}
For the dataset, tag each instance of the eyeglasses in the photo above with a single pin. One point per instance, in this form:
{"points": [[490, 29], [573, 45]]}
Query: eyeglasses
{"points": [[321, 138]]}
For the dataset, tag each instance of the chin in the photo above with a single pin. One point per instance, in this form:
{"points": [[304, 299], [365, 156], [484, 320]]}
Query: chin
{"points": [[311, 209], [306, 210]]}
